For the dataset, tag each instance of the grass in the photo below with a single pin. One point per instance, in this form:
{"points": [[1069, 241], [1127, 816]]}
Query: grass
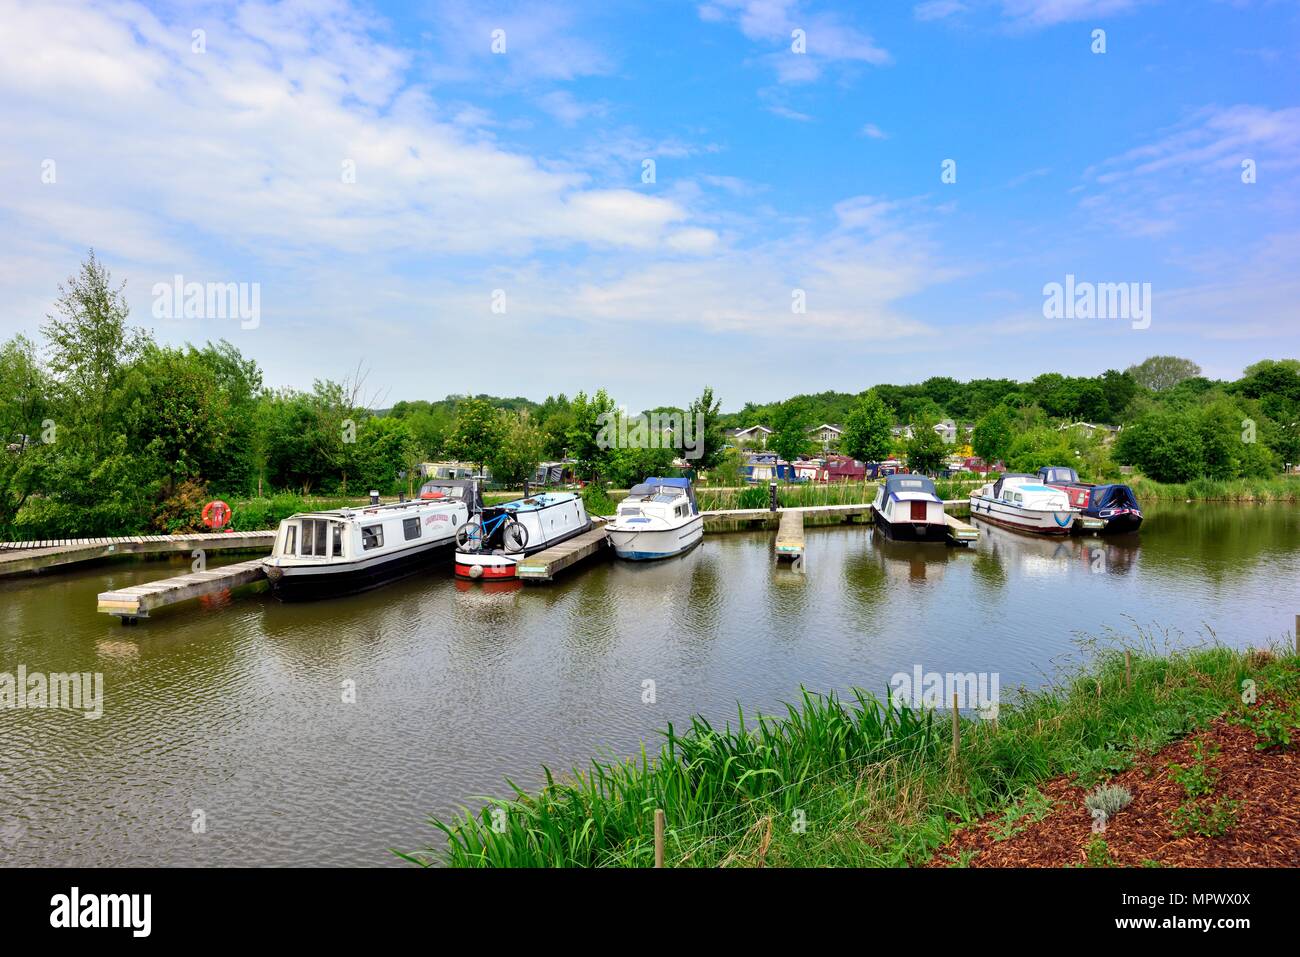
{"points": [[853, 781], [1279, 489], [808, 494]]}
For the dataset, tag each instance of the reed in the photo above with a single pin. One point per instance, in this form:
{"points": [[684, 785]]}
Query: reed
{"points": [[873, 783], [1281, 489]]}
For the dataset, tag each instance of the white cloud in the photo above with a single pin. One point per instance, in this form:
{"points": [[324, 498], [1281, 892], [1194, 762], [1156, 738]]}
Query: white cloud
{"points": [[1044, 13], [872, 131], [937, 9]]}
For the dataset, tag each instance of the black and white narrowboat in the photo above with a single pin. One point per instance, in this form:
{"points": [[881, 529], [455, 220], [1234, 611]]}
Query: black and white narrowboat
{"points": [[907, 508], [349, 550]]}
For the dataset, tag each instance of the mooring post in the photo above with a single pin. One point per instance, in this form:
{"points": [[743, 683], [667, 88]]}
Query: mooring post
{"points": [[771, 494], [956, 727], [659, 837], [1297, 634]]}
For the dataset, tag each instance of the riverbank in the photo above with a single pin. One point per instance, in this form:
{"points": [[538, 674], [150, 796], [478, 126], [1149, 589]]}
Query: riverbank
{"points": [[1279, 489], [863, 783]]}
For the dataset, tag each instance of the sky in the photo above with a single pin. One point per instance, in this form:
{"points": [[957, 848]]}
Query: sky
{"points": [[766, 196]]}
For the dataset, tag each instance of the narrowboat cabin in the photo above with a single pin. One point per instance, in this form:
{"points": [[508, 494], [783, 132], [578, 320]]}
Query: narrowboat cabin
{"points": [[489, 546], [1115, 505], [349, 550]]}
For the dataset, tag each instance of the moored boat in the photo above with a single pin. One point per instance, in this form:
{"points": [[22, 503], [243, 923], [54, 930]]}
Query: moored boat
{"points": [[908, 508], [1022, 502], [348, 550], [1114, 504], [489, 546], [658, 519]]}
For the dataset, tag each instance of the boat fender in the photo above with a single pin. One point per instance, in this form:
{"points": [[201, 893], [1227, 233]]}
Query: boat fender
{"points": [[475, 571]]}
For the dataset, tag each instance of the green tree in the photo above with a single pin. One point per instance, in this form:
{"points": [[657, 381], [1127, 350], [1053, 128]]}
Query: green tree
{"points": [[926, 449], [992, 438], [710, 434], [790, 425], [477, 433], [1164, 444], [515, 458], [867, 434], [1159, 373]]}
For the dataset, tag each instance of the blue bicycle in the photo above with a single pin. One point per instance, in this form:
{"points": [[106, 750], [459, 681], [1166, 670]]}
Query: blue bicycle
{"points": [[475, 534]]}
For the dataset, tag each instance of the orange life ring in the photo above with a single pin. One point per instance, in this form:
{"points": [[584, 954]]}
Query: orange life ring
{"points": [[216, 514]]}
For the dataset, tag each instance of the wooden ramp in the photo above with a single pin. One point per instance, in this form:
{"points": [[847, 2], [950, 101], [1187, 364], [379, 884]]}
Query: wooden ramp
{"points": [[139, 600], [789, 535], [543, 566], [25, 558], [959, 532]]}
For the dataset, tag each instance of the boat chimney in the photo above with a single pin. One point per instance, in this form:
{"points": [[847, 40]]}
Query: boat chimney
{"points": [[401, 498], [525, 489], [374, 496]]}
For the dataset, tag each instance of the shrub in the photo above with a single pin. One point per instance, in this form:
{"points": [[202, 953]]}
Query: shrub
{"points": [[1108, 800]]}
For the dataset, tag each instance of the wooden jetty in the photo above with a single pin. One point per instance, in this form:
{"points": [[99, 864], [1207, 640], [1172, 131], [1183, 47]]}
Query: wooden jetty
{"points": [[959, 532], [25, 558], [789, 535], [138, 601], [543, 566]]}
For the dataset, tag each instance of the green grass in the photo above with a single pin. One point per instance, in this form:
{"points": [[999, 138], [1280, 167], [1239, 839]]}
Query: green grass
{"points": [[852, 781], [1280, 489]]}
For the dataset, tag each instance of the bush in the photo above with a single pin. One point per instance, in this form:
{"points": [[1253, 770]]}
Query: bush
{"points": [[597, 501], [181, 511], [1108, 800]]}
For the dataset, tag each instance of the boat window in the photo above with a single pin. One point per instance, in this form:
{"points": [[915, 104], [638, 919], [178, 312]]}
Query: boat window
{"points": [[291, 540], [629, 511], [337, 550], [411, 528], [372, 536]]}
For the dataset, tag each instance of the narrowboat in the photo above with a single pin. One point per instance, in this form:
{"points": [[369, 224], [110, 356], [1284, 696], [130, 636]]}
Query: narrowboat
{"points": [[489, 546], [907, 508], [348, 550], [1022, 502], [1116, 505], [658, 519]]}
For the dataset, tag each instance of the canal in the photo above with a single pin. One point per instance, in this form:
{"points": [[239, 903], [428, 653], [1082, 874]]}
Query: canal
{"points": [[226, 740]]}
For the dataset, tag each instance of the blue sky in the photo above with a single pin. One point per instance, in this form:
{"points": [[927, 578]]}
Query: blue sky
{"points": [[775, 171]]}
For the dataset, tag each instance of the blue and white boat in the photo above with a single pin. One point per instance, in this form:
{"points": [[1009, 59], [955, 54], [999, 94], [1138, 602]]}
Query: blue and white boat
{"points": [[1116, 505], [1023, 502], [658, 519]]}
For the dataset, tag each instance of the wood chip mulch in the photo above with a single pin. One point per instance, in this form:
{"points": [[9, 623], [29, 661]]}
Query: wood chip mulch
{"points": [[1267, 832]]}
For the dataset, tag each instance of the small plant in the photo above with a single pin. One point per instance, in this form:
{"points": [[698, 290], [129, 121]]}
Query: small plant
{"points": [[1033, 807], [1199, 777], [1097, 764], [1204, 820], [1097, 853], [1271, 725], [753, 497], [1107, 801]]}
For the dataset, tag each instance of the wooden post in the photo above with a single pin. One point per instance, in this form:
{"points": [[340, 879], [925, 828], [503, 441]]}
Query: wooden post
{"points": [[1128, 671], [771, 492], [956, 727], [1297, 634], [659, 837]]}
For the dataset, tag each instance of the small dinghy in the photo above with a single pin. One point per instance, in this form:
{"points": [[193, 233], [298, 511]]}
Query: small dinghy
{"points": [[1022, 502], [658, 519], [489, 546], [907, 508], [348, 550]]}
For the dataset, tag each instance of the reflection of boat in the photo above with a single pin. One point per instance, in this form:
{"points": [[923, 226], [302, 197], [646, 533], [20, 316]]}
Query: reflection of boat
{"points": [[490, 545], [338, 552], [908, 508], [658, 519], [1022, 502], [908, 559], [1116, 505]]}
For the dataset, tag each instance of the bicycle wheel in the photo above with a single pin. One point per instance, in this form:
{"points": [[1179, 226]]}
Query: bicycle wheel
{"points": [[514, 536], [470, 535]]}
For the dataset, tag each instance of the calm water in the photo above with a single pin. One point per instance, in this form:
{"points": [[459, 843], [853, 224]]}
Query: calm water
{"points": [[234, 707]]}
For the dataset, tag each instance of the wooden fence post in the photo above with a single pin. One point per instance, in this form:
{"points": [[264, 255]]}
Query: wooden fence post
{"points": [[659, 837], [1128, 671], [956, 727], [1297, 634]]}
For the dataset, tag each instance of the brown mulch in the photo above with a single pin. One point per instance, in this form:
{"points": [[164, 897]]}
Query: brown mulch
{"points": [[1267, 832]]}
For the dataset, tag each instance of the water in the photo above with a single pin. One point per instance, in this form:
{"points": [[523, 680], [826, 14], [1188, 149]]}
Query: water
{"points": [[233, 707]]}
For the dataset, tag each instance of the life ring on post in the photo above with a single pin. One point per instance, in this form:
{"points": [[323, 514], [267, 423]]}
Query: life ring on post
{"points": [[216, 514]]}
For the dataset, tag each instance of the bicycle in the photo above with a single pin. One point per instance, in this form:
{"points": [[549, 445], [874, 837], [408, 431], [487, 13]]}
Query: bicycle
{"points": [[474, 534]]}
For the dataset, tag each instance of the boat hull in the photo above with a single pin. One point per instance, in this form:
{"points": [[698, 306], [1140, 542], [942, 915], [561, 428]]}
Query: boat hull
{"points": [[1035, 521], [909, 531], [307, 583], [654, 544], [491, 567]]}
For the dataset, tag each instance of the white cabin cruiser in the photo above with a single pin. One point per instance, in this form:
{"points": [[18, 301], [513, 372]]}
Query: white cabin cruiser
{"points": [[658, 519], [1024, 503], [347, 550], [490, 545], [908, 508]]}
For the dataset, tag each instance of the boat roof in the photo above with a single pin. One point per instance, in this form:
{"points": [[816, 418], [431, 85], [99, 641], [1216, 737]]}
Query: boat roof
{"points": [[538, 501], [361, 511], [908, 482], [649, 485]]}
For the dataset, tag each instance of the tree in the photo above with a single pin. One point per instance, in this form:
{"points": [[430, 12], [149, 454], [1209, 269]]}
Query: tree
{"points": [[867, 434], [708, 430], [926, 450], [514, 460], [588, 416], [992, 438], [1159, 373], [477, 433], [789, 438], [1164, 444]]}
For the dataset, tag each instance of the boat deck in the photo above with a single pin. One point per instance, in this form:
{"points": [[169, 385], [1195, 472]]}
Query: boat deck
{"points": [[543, 566]]}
